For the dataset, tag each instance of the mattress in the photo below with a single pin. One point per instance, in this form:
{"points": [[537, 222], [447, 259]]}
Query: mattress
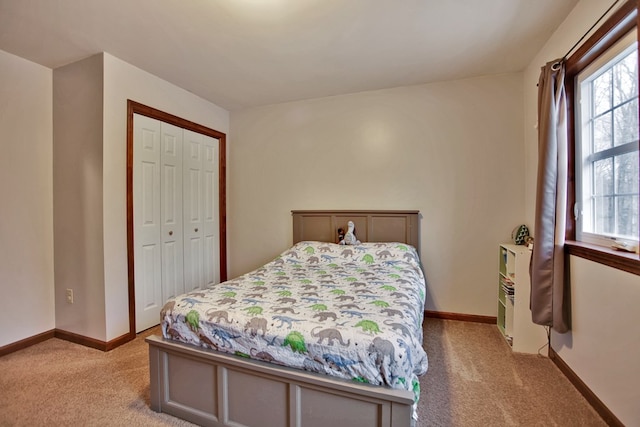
{"points": [[352, 312]]}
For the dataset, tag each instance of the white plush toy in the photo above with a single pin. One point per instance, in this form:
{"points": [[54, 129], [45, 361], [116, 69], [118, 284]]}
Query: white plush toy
{"points": [[350, 237]]}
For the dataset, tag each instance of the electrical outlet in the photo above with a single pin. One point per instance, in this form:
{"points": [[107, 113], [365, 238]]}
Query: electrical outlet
{"points": [[70, 296]]}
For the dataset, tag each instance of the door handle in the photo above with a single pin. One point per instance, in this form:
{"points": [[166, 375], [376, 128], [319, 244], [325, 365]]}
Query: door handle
{"points": [[170, 233], [196, 230]]}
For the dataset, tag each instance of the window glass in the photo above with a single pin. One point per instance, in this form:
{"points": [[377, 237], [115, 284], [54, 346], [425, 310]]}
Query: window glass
{"points": [[624, 81], [602, 93], [625, 122], [602, 132]]}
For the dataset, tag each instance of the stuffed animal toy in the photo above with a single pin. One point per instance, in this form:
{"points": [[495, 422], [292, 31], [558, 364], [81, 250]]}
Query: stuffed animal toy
{"points": [[519, 234], [350, 237]]}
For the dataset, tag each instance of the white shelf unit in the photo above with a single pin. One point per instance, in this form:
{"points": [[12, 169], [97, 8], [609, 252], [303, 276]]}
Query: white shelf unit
{"points": [[514, 291]]}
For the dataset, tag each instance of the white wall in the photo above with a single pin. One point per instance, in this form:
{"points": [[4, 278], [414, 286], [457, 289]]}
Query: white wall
{"points": [[603, 348], [77, 197], [123, 81], [26, 195], [452, 150]]}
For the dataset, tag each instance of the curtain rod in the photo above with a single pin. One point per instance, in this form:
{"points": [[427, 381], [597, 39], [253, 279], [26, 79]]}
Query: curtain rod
{"points": [[564, 58]]}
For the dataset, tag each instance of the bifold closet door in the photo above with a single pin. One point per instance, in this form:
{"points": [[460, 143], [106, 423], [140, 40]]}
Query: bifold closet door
{"points": [[171, 211], [200, 163], [175, 215], [147, 223]]}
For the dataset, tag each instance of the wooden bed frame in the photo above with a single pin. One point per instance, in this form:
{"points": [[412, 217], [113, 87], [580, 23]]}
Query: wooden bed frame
{"points": [[216, 389]]}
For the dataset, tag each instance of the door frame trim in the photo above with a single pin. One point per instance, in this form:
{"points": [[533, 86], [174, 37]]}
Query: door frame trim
{"points": [[134, 107]]}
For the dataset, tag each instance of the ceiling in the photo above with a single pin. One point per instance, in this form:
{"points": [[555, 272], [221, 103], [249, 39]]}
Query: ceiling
{"points": [[246, 53]]}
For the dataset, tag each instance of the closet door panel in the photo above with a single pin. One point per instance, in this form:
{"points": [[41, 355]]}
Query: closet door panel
{"points": [[147, 222], [193, 210], [171, 215], [211, 208]]}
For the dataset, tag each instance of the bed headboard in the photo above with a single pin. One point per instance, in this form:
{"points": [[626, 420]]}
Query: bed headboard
{"points": [[370, 226]]}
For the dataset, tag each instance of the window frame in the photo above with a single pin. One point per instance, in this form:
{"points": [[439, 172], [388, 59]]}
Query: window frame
{"points": [[586, 159], [616, 27]]}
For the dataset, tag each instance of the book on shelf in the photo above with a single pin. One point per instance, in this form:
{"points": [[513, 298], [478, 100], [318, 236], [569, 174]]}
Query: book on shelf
{"points": [[510, 295], [508, 287], [505, 279]]}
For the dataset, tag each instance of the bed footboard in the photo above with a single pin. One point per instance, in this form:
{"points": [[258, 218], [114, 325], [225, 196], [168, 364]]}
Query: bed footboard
{"points": [[215, 389]]}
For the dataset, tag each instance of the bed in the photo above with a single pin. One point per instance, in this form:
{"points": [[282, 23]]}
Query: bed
{"points": [[325, 334]]}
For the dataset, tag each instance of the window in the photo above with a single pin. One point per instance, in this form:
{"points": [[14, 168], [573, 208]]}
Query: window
{"points": [[606, 147], [601, 81]]}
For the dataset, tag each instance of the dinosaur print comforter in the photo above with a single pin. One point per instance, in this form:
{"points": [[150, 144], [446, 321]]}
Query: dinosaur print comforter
{"points": [[352, 312]]}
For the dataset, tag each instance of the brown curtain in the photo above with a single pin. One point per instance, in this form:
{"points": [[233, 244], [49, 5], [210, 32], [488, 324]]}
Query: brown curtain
{"points": [[548, 305]]}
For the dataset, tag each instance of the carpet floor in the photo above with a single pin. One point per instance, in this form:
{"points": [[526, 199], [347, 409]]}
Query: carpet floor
{"points": [[473, 380]]}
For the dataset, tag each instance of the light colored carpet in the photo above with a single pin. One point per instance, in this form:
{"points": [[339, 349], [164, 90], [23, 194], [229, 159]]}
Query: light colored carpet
{"points": [[58, 383], [473, 380]]}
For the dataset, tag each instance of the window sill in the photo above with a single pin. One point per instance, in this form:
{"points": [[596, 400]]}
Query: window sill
{"points": [[626, 261]]}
